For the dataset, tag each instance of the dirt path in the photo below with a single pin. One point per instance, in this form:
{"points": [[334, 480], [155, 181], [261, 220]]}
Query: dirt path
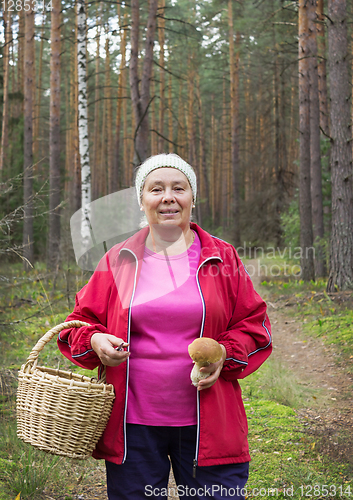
{"points": [[314, 367], [329, 410]]}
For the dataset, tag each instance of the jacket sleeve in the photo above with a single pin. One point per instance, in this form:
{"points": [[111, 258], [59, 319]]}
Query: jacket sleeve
{"points": [[91, 307], [248, 339]]}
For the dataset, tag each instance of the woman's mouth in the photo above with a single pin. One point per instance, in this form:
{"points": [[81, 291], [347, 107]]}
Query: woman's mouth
{"points": [[169, 212]]}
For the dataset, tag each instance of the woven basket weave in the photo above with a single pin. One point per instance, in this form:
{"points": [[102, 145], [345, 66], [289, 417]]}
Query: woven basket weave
{"points": [[60, 412]]}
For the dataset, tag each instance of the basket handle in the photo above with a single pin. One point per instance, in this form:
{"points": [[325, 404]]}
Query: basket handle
{"points": [[33, 356]]}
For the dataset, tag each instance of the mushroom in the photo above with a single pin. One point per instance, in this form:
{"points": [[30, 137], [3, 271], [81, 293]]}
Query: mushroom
{"points": [[203, 351]]}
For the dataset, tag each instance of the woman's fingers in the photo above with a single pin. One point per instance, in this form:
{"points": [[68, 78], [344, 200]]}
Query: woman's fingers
{"points": [[110, 349], [214, 370]]}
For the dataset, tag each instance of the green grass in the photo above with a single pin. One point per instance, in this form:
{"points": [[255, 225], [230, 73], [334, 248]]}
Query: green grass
{"points": [[285, 459], [272, 381]]}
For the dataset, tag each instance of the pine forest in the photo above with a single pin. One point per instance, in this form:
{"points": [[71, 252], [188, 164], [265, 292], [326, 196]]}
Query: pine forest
{"points": [[255, 95]]}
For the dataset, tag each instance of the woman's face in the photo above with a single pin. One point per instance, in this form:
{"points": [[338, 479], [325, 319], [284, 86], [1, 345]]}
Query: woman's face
{"points": [[167, 198]]}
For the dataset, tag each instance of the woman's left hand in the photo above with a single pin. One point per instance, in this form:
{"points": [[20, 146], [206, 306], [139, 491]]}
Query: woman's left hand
{"points": [[214, 369]]}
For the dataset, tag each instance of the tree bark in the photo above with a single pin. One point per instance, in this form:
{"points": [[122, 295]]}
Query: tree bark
{"points": [[140, 95], [154, 126], [306, 230], [170, 117], [204, 196], [341, 247], [36, 125], [54, 139], [82, 120], [234, 109], [161, 40], [117, 177], [97, 125], [322, 82], [315, 150], [6, 71], [28, 71], [109, 118]]}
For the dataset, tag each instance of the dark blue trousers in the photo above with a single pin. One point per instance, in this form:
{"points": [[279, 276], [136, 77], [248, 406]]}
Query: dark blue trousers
{"points": [[145, 472]]}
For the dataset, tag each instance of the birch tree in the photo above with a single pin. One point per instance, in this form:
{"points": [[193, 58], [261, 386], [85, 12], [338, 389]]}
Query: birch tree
{"points": [[83, 121]]}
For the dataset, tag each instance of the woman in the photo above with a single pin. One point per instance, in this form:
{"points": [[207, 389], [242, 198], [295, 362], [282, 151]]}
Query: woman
{"points": [[149, 298]]}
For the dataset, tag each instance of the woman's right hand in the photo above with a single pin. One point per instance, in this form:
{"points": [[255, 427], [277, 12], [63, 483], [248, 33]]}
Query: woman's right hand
{"points": [[105, 345]]}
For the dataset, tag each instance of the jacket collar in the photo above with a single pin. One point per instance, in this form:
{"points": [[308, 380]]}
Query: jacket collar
{"points": [[136, 243]]}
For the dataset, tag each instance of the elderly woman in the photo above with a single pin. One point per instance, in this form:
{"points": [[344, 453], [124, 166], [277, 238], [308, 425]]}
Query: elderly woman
{"points": [[148, 299]]}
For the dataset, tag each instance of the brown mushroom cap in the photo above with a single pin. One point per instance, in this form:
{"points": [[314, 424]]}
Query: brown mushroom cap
{"points": [[205, 351]]}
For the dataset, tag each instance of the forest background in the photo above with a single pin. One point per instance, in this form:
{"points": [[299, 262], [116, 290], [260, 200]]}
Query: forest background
{"points": [[256, 95], [244, 91]]}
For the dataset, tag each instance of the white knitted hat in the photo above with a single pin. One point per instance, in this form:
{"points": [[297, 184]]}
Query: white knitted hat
{"points": [[160, 161]]}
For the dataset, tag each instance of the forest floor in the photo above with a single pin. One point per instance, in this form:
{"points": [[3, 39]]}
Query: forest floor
{"points": [[314, 367], [323, 415]]}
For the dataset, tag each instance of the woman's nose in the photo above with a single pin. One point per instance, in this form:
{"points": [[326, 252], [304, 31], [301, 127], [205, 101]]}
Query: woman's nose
{"points": [[168, 195]]}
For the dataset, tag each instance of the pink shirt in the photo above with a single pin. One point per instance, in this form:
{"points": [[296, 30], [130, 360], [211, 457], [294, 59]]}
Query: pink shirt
{"points": [[166, 317]]}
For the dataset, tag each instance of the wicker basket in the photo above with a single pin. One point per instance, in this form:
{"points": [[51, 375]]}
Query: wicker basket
{"points": [[60, 412]]}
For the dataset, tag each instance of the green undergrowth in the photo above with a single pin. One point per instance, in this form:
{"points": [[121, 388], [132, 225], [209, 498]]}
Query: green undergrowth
{"points": [[30, 305], [34, 474], [328, 316], [285, 462], [286, 458], [272, 381]]}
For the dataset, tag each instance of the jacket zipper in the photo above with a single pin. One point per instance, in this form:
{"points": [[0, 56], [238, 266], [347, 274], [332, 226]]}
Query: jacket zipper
{"points": [[198, 394], [127, 361], [127, 372]]}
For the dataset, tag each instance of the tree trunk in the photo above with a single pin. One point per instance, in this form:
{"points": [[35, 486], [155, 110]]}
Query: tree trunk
{"points": [[117, 177], [154, 126], [97, 125], [306, 230], [315, 152], [321, 47], [38, 96], [170, 117], [190, 112], [341, 248], [54, 139], [203, 198], [140, 96], [20, 50], [28, 138], [109, 118], [234, 109], [161, 40], [82, 120], [6, 70], [77, 191]]}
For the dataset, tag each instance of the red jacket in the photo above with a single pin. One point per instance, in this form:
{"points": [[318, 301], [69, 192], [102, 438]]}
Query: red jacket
{"points": [[233, 314]]}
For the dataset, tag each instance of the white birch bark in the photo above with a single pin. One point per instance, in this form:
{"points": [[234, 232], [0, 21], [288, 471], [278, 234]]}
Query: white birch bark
{"points": [[83, 123]]}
